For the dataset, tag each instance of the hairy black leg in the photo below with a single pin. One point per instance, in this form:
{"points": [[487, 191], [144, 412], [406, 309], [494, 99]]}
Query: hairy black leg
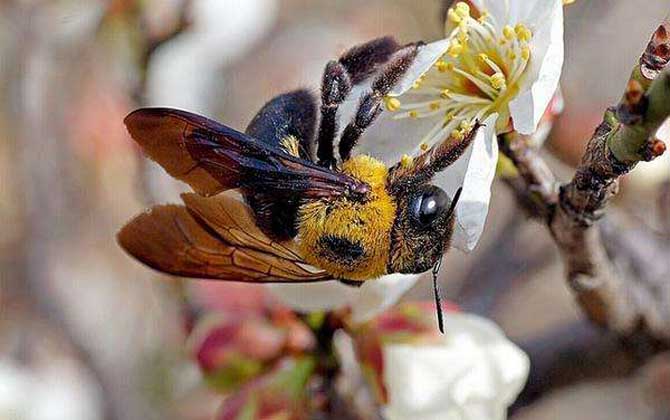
{"points": [[335, 87], [369, 106], [352, 67], [363, 60]]}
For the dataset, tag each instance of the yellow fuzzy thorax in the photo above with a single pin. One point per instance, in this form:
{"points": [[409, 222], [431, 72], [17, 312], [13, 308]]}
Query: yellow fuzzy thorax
{"points": [[367, 224]]}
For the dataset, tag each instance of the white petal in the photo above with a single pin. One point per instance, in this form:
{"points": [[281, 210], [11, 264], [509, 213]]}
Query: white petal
{"points": [[544, 69], [475, 373], [531, 12], [378, 295], [426, 57], [312, 297], [475, 172], [499, 10], [388, 139], [366, 301], [511, 12]]}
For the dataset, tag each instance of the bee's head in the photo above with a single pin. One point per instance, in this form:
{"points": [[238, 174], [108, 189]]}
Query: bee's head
{"points": [[422, 229], [425, 218]]}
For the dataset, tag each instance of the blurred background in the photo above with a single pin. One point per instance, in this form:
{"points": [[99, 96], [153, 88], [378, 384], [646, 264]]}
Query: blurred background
{"points": [[87, 333]]}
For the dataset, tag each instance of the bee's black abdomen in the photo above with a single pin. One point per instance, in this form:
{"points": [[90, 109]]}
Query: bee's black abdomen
{"points": [[341, 250], [290, 114], [277, 217]]}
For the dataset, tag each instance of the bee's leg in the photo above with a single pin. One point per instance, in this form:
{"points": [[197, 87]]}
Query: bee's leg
{"points": [[363, 60], [369, 106], [338, 78], [335, 87]]}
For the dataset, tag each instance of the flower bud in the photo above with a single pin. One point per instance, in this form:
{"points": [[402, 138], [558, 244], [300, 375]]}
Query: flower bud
{"points": [[231, 350], [280, 394]]}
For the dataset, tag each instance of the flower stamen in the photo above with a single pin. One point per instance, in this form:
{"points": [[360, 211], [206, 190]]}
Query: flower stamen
{"points": [[478, 74]]}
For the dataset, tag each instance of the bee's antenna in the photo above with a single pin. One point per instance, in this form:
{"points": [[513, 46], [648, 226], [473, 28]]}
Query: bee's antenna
{"points": [[454, 202], [436, 269], [436, 159], [438, 297]]}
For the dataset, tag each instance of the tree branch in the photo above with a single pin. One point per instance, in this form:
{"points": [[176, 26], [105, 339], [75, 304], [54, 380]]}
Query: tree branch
{"points": [[614, 296]]}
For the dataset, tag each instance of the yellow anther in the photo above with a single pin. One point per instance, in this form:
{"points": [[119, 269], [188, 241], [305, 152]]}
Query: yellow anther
{"points": [[455, 49], [443, 66], [483, 57], [434, 106], [523, 32], [508, 32], [445, 93], [456, 134], [483, 16], [423, 147], [416, 84], [392, 104], [463, 9], [453, 16], [465, 125], [463, 36], [525, 52], [406, 161], [566, 2], [511, 55], [448, 116], [497, 80], [413, 114]]}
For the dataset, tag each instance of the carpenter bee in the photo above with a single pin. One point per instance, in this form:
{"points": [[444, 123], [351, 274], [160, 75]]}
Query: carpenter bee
{"points": [[305, 215]]}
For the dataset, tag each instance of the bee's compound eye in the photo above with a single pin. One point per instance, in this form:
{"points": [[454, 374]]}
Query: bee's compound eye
{"points": [[429, 204]]}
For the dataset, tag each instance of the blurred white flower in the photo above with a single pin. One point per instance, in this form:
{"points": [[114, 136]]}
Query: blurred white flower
{"points": [[54, 392], [366, 301], [472, 373], [183, 72]]}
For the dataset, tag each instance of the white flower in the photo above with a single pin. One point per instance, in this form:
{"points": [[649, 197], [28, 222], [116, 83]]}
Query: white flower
{"points": [[508, 61], [474, 373]]}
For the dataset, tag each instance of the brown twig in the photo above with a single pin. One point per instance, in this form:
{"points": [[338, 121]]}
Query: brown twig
{"points": [[569, 354], [613, 297]]}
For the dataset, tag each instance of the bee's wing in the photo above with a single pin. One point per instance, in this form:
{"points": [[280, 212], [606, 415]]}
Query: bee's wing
{"points": [[214, 239], [211, 157], [232, 221]]}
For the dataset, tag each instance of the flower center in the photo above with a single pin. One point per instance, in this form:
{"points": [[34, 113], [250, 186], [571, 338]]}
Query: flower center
{"points": [[478, 74]]}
